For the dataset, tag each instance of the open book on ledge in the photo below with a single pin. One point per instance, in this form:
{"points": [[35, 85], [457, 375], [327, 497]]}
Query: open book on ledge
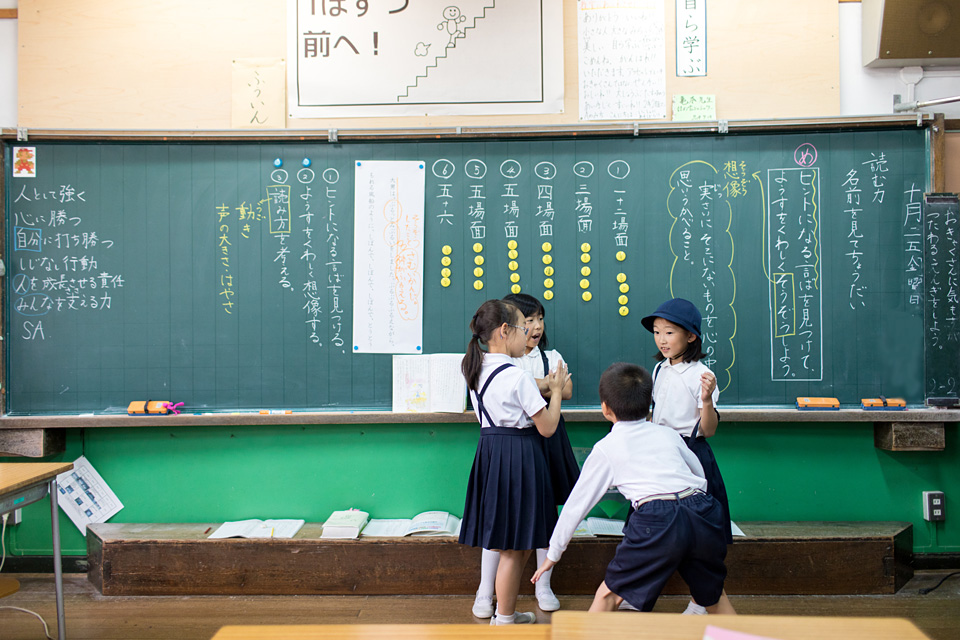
{"points": [[428, 523], [258, 529]]}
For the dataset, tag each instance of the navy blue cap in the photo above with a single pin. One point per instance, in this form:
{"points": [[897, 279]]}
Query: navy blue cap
{"points": [[680, 312]]}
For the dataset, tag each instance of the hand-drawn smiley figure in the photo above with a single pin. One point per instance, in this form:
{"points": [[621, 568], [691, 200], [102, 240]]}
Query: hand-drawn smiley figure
{"points": [[451, 20]]}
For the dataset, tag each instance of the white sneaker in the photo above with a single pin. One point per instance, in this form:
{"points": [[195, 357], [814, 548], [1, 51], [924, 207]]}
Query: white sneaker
{"points": [[483, 606], [694, 609], [519, 617], [546, 600]]}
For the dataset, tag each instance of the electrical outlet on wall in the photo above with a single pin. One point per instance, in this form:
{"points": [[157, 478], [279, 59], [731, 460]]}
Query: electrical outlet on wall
{"points": [[934, 505], [17, 516]]}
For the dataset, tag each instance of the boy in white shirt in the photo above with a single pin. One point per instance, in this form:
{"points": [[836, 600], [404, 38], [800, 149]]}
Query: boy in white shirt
{"points": [[675, 525]]}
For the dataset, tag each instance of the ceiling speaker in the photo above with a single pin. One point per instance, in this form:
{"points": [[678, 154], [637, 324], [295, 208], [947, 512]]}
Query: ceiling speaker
{"points": [[911, 33]]}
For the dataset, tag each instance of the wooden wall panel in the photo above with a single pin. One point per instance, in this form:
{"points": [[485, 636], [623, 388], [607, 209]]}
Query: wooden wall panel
{"points": [[114, 64]]}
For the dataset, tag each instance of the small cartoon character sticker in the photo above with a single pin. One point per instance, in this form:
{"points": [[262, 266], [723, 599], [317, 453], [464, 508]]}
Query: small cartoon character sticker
{"points": [[24, 162]]}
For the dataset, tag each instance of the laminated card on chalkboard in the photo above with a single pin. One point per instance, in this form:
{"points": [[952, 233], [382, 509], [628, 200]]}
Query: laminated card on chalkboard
{"points": [[388, 257]]}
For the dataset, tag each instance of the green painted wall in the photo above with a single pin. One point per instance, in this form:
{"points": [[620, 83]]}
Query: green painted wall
{"points": [[211, 474]]}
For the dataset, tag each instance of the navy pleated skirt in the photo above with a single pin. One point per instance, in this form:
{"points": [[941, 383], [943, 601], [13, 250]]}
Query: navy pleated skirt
{"points": [[561, 462], [510, 503], [711, 471]]}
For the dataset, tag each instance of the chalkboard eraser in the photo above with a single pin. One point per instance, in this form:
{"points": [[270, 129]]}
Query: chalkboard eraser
{"points": [[818, 404], [944, 402], [883, 404]]}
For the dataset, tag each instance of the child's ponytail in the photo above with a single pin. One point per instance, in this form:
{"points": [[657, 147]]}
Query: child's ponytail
{"points": [[490, 316]]}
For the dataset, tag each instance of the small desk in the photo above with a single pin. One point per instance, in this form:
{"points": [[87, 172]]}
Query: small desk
{"points": [[383, 632], [581, 625], [23, 483]]}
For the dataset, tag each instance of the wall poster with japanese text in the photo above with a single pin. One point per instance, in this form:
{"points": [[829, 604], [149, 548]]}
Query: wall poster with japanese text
{"points": [[352, 58]]}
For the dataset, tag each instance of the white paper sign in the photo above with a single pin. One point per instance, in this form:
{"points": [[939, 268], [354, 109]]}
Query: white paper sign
{"points": [[691, 38], [429, 57], [85, 497], [388, 257], [622, 59]]}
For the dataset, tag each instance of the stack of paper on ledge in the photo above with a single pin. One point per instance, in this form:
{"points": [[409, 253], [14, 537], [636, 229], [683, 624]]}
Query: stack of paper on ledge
{"points": [[258, 529], [345, 524], [428, 523]]}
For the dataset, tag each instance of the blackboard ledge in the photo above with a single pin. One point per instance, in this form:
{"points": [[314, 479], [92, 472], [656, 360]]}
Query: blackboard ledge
{"points": [[573, 414]]}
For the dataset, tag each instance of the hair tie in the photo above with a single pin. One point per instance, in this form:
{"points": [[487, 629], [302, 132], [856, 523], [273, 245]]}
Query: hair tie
{"points": [[476, 336]]}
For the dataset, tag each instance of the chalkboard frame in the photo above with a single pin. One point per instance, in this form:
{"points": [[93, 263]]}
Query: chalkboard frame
{"points": [[933, 124]]}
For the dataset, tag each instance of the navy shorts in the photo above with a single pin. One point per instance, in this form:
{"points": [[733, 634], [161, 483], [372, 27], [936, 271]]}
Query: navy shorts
{"points": [[664, 536]]}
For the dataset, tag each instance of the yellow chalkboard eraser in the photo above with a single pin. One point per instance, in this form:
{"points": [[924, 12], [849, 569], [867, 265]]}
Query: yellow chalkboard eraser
{"points": [[818, 404], [883, 404], [143, 407]]}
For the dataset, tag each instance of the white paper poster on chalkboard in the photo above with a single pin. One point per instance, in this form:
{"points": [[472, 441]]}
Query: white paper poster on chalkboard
{"points": [[388, 257], [430, 57]]}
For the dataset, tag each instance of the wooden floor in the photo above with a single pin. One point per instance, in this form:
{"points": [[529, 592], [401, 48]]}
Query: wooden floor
{"points": [[91, 616]]}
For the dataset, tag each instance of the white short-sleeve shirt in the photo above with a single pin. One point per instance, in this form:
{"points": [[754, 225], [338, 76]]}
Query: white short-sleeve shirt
{"points": [[512, 397], [533, 363], [676, 395]]}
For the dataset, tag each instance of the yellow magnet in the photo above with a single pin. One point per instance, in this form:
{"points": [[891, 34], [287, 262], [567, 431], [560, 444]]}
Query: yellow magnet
{"points": [[548, 283], [445, 273], [478, 260], [512, 265], [477, 272], [512, 244], [477, 247], [547, 258], [478, 284], [623, 300], [445, 261], [584, 258], [584, 283], [447, 249], [514, 277], [515, 289], [624, 288], [585, 247], [587, 296], [548, 271], [621, 256], [546, 246], [621, 277], [584, 271], [548, 295], [444, 282], [624, 311], [512, 254]]}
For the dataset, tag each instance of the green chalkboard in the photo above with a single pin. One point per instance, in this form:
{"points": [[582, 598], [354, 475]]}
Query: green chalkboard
{"points": [[155, 271], [941, 235]]}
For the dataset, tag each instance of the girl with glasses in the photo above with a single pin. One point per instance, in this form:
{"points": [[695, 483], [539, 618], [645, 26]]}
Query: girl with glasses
{"points": [[561, 463], [510, 506]]}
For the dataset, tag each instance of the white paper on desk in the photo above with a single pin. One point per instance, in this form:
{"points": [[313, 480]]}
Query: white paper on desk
{"points": [[385, 528], [85, 497], [735, 530]]}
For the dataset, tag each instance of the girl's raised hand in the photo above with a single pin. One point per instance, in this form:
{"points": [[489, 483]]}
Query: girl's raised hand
{"points": [[558, 378], [708, 382]]}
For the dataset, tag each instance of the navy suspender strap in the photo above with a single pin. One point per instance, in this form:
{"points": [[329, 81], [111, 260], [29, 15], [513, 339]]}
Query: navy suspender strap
{"points": [[546, 365], [483, 411]]}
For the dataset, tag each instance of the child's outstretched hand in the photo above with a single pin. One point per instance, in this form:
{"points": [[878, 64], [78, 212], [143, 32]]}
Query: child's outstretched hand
{"points": [[708, 382], [558, 378], [546, 566]]}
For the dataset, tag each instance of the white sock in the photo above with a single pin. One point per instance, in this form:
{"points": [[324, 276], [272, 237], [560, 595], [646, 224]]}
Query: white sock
{"points": [[489, 561], [694, 609], [502, 619], [543, 584]]}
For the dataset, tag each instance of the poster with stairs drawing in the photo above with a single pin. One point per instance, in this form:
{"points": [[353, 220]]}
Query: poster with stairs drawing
{"points": [[424, 57]]}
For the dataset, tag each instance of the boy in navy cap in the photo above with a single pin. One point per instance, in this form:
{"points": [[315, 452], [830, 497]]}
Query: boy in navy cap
{"points": [[675, 525]]}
